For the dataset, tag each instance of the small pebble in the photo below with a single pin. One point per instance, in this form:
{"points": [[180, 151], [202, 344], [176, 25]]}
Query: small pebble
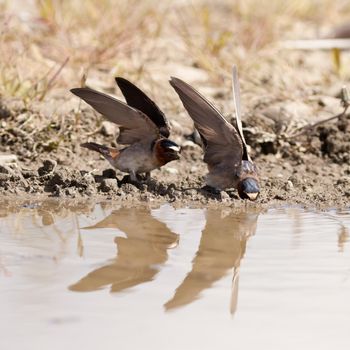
{"points": [[224, 196], [289, 185], [171, 170]]}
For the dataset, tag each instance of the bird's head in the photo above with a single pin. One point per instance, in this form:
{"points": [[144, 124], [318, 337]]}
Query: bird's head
{"points": [[248, 184], [166, 151], [248, 188]]}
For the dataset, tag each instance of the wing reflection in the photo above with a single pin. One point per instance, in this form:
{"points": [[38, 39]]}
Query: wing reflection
{"points": [[221, 248], [138, 255]]}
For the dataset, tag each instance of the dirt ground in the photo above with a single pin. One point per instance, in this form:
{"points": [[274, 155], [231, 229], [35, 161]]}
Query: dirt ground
{"points": [[282, 91], [313, 171]]}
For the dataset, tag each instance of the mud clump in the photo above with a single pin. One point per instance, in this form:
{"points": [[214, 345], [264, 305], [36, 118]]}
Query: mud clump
{"points": [[5, 113], [335, 141], [48, 167], [109, 185]]}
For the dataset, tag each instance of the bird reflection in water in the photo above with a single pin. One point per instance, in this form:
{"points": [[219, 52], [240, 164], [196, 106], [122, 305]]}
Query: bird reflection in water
{"points": [[139, 254], [221, 248], [145, 248]]}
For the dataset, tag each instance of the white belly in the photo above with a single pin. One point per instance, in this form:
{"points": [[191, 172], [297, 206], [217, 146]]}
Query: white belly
{"points": [[137, 158]]}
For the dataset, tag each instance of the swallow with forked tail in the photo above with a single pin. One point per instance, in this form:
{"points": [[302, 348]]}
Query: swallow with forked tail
{"points": [[225, 149], [143, 127]]}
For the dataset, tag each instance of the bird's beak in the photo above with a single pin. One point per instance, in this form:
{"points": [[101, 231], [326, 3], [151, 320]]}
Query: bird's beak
{"points": [[253, 196], [175, 151], [175, 148]]}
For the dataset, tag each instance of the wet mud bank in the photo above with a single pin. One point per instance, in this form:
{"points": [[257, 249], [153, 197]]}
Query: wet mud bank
{"points": [[311, 170]]}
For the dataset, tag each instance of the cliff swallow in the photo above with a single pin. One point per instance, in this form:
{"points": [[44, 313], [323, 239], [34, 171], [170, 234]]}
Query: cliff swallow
{"points": [[224, 145], [143, 126]]}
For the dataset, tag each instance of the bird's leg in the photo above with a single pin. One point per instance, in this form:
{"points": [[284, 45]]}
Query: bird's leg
{"points": [[132, 178]]}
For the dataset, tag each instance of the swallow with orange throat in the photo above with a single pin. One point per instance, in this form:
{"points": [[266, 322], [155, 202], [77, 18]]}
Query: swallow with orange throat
{"points": [[225, 149], [143, 128]]}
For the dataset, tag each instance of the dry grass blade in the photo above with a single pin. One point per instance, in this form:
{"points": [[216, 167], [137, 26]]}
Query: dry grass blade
{"points": [[345, 101], [51, 81], [307, 128]]}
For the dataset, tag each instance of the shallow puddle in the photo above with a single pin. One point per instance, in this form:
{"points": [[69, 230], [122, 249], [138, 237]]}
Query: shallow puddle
{"points": [[109, 277]]}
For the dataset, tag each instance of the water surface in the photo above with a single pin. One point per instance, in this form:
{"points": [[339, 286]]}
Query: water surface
{"points": [[112, 277]]}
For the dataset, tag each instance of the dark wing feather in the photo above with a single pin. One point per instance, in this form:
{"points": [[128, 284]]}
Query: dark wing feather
{"points": [[134, 125], [237, 103], [223, 144], [139, 100]]}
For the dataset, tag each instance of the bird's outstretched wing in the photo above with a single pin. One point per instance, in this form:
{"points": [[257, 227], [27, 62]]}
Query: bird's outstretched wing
{"points": [[223, 145], [139, 100], [134, 125], [237, 103]]}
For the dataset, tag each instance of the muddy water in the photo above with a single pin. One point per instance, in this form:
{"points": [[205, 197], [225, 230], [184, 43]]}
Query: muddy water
{"points": [[107, 277]]}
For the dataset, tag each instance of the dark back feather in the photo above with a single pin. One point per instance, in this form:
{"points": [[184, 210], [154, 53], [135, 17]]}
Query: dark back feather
{"points": [[139, 100], [135, 126], [223, 145]]}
